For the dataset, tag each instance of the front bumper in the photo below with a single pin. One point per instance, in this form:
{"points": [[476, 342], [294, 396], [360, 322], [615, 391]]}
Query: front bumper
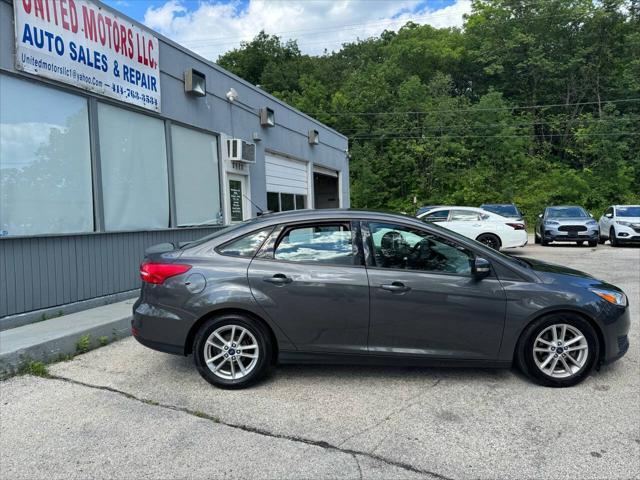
{"points": [[556, 235], [616, 334], [627, 234]]}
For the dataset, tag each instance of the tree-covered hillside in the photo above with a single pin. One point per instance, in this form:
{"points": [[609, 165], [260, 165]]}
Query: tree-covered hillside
{"points": [[535, 102]]}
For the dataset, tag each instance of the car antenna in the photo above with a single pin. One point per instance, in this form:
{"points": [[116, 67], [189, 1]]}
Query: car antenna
{"points": [[260, 210]]}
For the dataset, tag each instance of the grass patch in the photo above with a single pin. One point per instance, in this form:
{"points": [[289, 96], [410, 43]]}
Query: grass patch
{"points": [[103, 340], [37, 369], [83, 344]]}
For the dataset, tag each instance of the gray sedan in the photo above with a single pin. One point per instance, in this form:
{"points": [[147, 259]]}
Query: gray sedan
{"points": [[566, 224], [346, 286]]}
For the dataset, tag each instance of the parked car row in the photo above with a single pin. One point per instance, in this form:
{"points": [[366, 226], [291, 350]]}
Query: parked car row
{"points": [[503, 225]]}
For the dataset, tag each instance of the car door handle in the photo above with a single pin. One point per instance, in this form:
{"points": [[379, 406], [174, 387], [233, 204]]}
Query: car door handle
{"points": [[395, 287], [278, 279]]}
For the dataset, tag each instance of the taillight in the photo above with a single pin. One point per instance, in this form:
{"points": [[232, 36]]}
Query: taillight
{"points": [[516, 226], [158, 272]]}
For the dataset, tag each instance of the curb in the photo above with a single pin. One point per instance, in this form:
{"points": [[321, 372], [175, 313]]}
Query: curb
{"points": [[65, 336]]}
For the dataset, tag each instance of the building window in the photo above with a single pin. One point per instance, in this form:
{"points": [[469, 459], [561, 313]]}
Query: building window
{"points": [[196, 177], [134, 170], [281, 202], [45, 161]]}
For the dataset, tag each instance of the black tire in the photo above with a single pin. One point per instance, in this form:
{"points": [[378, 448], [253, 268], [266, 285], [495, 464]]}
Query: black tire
{"points": [[536, 239], [543, 240], [593, 243], [261, 335], [525, 355], [490, 240], [612, 238], [601, 239]]}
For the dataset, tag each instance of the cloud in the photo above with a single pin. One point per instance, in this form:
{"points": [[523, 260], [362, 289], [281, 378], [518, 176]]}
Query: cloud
{"points": [[214, 28]]}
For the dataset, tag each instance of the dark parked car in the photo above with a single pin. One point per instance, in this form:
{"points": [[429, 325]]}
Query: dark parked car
{"points": [[567, 223], [507, 210], [343, 286]]}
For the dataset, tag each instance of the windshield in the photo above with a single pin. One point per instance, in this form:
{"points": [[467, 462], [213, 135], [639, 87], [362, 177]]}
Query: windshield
{"points": [[220, 232], [631, 211], [504, 210], [566, 212]]}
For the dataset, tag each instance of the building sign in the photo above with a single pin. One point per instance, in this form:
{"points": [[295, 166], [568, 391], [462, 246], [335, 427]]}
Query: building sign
{"points": [[83, 44], [235, 194]]}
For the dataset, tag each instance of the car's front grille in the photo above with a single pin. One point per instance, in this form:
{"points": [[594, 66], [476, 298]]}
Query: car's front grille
{"points": [[572, 228]]}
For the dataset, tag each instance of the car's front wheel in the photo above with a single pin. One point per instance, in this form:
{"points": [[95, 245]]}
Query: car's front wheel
{"points": [[613, 239], [558, 350], [232, 351]]}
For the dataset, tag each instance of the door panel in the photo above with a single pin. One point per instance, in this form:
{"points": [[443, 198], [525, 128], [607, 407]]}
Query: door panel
{"points": [[424, 300], [322, 306], [440, 315]]}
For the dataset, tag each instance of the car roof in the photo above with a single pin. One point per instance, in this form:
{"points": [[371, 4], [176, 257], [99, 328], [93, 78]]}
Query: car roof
{"points": [[327, 213], [498, 204]]}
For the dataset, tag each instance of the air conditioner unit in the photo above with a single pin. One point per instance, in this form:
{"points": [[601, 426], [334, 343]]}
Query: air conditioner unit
{"points": [[240, 151]]}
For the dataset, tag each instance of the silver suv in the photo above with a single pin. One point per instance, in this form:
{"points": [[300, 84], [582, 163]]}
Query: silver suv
{"points": [[620, 224], [567, 223]]}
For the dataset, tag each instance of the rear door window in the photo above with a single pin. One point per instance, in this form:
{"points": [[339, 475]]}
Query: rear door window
{"points": [[327, 243], [245, 246], [464, 216]]}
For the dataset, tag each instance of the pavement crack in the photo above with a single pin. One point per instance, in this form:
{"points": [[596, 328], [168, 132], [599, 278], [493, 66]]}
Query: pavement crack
{"points": [[355, 457], [260, 431], [412, 401]]}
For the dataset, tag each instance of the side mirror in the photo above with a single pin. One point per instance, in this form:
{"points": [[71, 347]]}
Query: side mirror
{"points": [[481, 267], [539, 215], [591, 215], [608, 215]]}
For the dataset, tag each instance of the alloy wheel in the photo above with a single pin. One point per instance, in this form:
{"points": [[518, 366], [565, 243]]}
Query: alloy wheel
{"points": [[560, 351], [231, 352]]}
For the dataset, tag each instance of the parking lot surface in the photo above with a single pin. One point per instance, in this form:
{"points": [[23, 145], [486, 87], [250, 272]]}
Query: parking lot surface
{"points": [[125, 411]]}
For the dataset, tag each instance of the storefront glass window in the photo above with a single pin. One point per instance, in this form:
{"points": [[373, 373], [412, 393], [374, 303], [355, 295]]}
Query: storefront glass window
{"points": [[196, 178], [134, 170], [45, 160]]}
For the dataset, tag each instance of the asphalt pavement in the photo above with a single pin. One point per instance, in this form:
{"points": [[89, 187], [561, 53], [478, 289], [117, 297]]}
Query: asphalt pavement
{"points": [[124, 411]]}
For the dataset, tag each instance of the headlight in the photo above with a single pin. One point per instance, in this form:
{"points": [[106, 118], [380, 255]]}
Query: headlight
{"points": [[626, 224], [592, 222], [551, 222], [617, 298]]}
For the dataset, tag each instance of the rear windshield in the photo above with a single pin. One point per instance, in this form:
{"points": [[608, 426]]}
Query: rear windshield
{"points": [[628, 211], [504, 210], [222, 231], [566, 212]]}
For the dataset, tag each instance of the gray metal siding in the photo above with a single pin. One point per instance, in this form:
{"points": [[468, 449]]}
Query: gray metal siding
{"points": [[44, 272]]}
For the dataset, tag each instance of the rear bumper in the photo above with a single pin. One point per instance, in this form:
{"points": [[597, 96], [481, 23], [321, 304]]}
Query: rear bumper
{"points": [[159, 329]]}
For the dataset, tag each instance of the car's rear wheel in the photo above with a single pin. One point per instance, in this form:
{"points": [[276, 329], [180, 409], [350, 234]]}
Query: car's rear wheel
{"points": [[613, 239], [490, 240], [558, 350], [232, 351], [543, 240]]}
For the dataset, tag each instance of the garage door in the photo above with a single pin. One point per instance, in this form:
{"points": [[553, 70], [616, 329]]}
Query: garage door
{"points": [[287, 183]]}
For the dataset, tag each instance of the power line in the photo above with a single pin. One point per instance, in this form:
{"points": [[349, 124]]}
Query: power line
{"points": [[496, 109], [472, 126], [401, 136]]}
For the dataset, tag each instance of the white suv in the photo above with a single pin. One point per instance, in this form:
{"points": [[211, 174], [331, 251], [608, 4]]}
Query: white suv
{"points": [[620, 224]]}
